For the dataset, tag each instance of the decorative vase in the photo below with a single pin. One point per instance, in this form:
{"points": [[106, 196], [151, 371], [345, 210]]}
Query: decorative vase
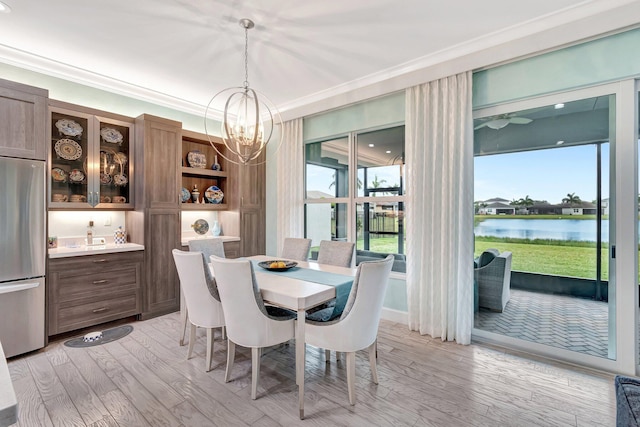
{"points": [[216, 166], [216, 228], [195, 194]]}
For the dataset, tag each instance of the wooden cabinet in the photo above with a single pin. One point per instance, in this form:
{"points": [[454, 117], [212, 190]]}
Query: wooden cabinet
{"points": [[23, 110], [155, 223], [87, 290], [91, 158], [252, 209]]}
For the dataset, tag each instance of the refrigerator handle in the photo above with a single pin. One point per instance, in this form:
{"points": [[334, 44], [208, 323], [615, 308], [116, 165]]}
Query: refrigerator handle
{"points": [[18, 288]]}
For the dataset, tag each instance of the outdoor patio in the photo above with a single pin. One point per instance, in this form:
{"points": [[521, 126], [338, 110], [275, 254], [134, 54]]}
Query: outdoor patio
{"points": [[561, 321]]}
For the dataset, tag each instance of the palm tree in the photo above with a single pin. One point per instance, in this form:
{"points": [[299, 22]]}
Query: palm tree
{"points": [[334, 182], [571, 199], [527, 201]]}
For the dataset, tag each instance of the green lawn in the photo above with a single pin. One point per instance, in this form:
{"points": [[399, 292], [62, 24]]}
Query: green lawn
{"points": [[558, 260]]}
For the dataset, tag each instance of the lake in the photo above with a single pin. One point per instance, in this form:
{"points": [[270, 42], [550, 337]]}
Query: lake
{"points": [[557, 229]]}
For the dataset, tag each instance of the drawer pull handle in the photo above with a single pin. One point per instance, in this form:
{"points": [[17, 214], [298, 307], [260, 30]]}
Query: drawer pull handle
{"points": [[98, 310], [100, 260], [98, 282]]}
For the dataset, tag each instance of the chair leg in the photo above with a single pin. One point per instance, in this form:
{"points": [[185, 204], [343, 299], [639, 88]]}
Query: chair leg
{"points": [[223, 333], [209, 348], [255, 371], [192, 339], [327, 356], [183, 322], [372, 361], [351, 376], [231, 354]]}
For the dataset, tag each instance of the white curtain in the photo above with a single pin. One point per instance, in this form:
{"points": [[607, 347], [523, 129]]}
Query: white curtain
{"points": [[290, 183], [439, 213]]}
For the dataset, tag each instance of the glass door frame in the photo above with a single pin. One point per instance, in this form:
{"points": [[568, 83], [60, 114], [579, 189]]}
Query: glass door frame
{"points": [[623, 300]]}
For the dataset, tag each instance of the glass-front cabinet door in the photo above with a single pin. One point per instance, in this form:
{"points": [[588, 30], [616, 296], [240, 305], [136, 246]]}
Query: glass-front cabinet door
{"points": [[90, 161], [113, 168]]}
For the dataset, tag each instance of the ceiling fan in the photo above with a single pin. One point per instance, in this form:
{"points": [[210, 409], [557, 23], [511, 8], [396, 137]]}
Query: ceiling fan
{"points": [[498, 122]]}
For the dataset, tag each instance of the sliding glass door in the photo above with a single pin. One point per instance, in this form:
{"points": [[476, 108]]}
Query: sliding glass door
{"points": [[542, 202]]}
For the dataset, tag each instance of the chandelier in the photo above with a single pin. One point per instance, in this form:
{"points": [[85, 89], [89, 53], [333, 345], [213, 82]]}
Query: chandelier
{"points": [[248, 119]]}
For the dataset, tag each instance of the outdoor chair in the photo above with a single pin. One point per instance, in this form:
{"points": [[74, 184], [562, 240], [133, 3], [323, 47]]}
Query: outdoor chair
{"points": [[493, 275]]}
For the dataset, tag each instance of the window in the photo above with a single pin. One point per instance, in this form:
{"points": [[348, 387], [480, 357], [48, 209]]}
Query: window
{"points": [[355, 192]]}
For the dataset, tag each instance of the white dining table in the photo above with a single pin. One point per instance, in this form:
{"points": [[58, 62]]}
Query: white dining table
{"points": [[297, 295]]}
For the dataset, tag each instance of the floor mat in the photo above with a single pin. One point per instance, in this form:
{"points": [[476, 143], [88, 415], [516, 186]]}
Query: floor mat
{"points": [[99, 337]]}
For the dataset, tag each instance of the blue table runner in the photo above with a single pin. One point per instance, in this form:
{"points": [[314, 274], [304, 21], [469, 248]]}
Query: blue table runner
{"points": [[341, 282]]}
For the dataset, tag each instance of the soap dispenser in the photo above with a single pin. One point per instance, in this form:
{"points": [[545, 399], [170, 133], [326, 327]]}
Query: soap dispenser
{"points": [[90, 233]]}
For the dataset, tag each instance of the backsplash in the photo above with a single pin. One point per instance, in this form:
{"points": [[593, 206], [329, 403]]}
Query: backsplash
{"points": [[73, 224], [189, 217]]}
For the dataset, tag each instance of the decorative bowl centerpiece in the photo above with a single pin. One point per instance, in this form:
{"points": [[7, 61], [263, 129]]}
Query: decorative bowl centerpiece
{"points": [[277, 265]]}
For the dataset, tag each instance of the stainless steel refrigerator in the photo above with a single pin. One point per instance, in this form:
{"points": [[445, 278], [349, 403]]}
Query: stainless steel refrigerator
{"points": [[22, 255]]}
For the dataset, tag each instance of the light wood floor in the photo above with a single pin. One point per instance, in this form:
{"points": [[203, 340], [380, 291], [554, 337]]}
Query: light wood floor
{"points": [[144, 380]]}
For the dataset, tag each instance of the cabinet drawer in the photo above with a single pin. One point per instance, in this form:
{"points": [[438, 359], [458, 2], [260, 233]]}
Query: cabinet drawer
{"points": [[83, 314], [73, 284], [95, 263]]}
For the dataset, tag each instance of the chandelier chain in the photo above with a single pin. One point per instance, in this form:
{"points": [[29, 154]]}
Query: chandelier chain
{"points": [[246, 57]]}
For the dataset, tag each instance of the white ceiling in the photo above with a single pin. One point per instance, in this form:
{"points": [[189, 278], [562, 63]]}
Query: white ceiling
{"points": [[178, 53]]}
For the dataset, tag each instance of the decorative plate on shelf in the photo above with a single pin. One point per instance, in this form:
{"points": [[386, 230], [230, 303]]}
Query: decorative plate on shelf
{"points": [[213, 195], [105, 178], [58, 175], [69, 127], [200, 226], [184, 195], [277, 265], [120, 180], [111, 135], [68, 149], [76, 175], [197, 159]]}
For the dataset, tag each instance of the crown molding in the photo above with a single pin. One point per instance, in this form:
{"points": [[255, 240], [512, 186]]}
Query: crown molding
{"points": [[53, 68]]}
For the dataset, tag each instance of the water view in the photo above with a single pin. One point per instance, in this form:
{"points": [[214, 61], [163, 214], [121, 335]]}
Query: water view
{"points": [[557, 229]]}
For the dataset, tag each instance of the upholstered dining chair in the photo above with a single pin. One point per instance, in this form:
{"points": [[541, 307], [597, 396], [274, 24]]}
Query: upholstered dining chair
{"points": [[296, 248], [207, 247], [201, 297], [249, 322], [357, 327], [335, 252]]}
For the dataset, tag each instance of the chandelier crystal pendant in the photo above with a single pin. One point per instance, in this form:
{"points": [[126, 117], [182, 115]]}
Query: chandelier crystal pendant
{"points": [[248, 119]]}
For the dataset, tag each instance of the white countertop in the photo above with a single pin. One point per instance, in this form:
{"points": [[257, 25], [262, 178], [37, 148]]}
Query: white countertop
{"points": [[80, 250], [8, 401], [187, 237]]}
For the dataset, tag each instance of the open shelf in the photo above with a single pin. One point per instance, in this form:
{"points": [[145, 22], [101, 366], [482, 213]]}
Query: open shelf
{"points": [[206, 177], [203, 172]]}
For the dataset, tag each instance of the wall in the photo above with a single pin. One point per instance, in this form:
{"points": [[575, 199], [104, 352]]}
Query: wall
{"points": [[74, 223], [603, 60]]}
